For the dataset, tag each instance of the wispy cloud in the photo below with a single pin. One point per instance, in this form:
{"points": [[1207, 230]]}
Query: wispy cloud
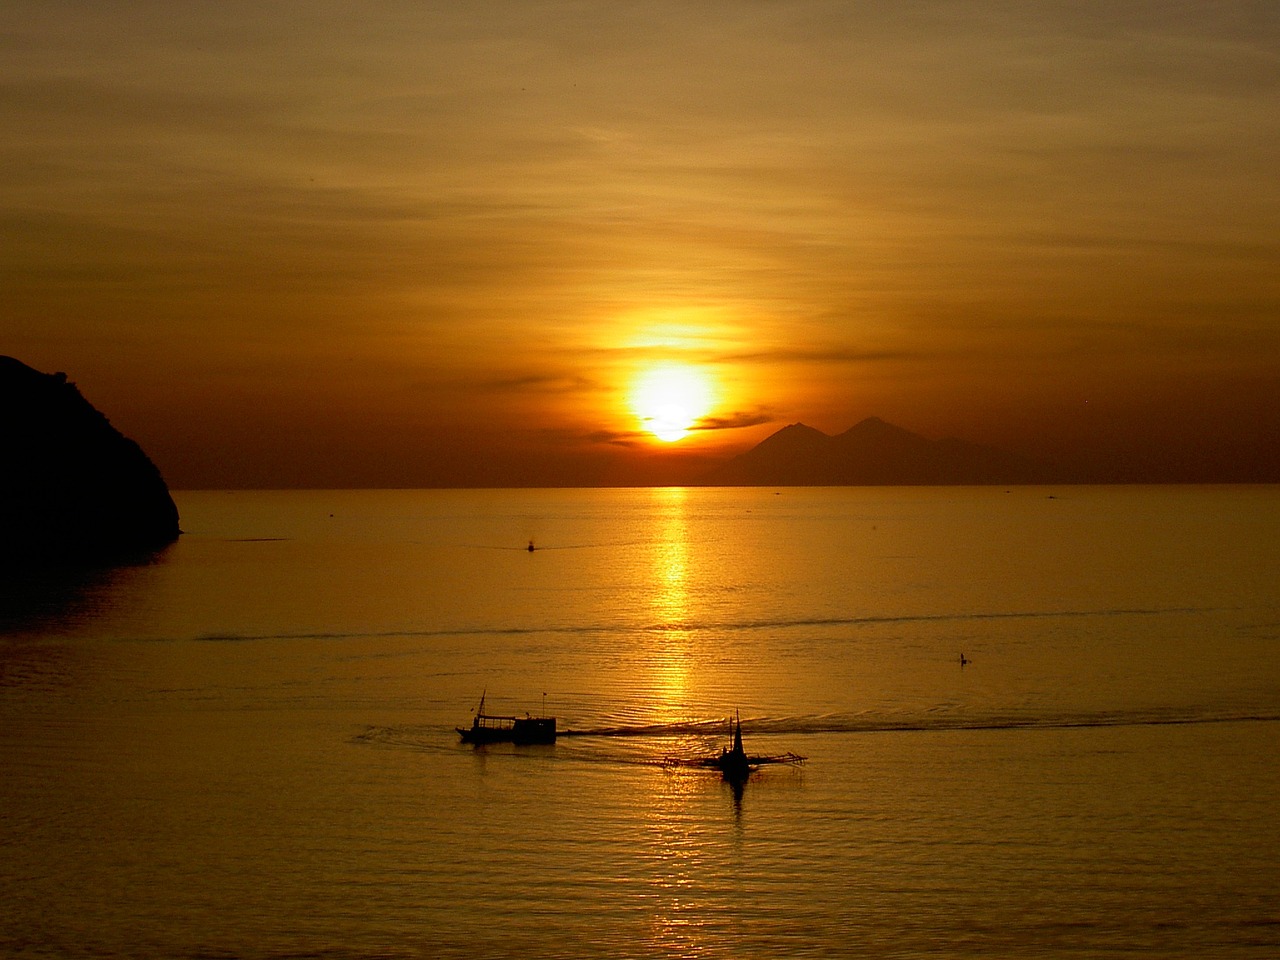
{"points": [[734, 421], [542, 383]]}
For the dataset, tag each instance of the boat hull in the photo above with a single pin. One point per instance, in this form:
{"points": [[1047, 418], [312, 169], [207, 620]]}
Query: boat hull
{"points": [[520, 730]]}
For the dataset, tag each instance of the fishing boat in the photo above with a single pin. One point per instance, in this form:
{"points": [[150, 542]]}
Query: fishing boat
{"points": [[488, 728], [733, 762]]}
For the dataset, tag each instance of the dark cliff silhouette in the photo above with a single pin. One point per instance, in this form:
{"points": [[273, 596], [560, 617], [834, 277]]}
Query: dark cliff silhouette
{"points": [[73, 489], [871, 453]]}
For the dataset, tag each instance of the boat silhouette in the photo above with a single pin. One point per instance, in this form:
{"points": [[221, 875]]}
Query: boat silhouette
{"points": [[733, 762], [490, 728]]}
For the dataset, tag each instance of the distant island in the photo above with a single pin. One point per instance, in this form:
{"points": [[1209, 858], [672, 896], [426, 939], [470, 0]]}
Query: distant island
{"points": [[73, 488], [872, 452]]}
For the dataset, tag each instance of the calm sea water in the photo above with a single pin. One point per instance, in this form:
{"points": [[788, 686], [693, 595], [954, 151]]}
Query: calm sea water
{"points": [[246, 749]]}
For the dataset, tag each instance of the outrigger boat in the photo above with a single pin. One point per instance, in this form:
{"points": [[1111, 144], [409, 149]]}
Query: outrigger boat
{"points": [[486, 728], [734, 763]]}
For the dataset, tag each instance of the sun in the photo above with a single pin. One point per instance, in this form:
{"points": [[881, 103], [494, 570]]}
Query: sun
{"points": [[669, 399]]}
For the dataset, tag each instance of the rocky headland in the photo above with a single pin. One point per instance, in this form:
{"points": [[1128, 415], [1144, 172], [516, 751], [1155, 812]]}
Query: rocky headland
{"points": [[73, 489]]}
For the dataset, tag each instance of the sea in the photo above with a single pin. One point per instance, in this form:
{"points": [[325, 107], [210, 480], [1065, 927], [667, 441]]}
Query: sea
{"points": [[1038, 722]]}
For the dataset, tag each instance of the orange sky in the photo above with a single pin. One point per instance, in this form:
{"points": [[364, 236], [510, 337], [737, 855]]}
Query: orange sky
{"points": [[320, 243]]}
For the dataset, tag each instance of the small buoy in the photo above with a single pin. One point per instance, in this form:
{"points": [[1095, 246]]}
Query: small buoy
{"points": [[530, 546]]}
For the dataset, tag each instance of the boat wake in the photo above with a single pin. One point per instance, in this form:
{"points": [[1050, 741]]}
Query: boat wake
{"points": [[642, 739], [931, 721]]}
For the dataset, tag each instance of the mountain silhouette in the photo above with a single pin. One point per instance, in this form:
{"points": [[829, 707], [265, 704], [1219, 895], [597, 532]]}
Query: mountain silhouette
{"points": [[73, 488], [870, 453]]}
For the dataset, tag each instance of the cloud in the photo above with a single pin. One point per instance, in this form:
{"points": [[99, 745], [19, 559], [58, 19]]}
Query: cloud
{"points": [[734, 421], [620, 438], [571, 437], [543, 383], [819, 354]]}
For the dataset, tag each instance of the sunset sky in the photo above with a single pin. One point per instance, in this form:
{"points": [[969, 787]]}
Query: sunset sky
{"points": [[421, 243]]}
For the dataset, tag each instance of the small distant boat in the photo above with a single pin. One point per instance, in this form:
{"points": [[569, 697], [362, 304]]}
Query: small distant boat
{"points": [[734, 763], [487, 728]]}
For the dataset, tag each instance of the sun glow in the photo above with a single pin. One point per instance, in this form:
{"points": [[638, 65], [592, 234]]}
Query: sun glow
{"points": [[670, 399]]}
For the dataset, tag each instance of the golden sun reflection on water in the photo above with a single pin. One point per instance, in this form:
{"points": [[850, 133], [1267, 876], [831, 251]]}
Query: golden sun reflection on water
{"points": [[684, 920], [671, 653], [684, 856]]}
